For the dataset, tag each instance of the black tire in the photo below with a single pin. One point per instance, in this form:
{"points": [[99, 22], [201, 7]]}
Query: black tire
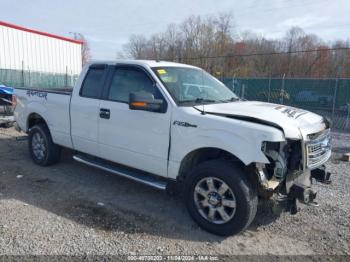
{"points": [[244, 192], [52, 153]]}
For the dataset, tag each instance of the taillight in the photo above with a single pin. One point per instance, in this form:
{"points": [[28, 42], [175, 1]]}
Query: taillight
{"points": [[14, 101]]}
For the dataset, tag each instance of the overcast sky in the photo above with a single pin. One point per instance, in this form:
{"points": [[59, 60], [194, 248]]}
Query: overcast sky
{"points": [[107, 24]]}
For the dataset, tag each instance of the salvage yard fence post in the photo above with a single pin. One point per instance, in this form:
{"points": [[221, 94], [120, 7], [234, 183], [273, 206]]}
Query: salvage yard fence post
{"points": [[269, 93], [23, 83], [282, 90], [334, 98], [347, 117]]}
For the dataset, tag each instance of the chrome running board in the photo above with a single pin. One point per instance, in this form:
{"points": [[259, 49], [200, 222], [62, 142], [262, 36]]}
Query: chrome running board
{"points": [[136, 175]]}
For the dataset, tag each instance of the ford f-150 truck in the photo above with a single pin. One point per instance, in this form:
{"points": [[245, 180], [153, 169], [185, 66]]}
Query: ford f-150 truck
{"points": [[174, 126]]}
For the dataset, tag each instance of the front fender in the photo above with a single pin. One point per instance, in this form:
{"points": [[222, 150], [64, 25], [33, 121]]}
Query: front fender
{"points": [[247, 149], [240, 138]]}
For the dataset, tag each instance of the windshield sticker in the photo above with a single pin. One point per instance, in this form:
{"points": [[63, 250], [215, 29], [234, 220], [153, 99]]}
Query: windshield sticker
{"points": [[161, 71]]}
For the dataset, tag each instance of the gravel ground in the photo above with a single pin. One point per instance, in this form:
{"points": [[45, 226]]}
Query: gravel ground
{"points": [[72, 209]]}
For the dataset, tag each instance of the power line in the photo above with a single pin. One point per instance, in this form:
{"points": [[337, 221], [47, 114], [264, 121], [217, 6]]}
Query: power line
{"points": [[262, 54], [302, 4]]}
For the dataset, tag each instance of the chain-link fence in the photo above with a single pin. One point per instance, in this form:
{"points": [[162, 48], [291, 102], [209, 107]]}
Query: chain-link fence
{"points": [[329, 97], [21, 78]]}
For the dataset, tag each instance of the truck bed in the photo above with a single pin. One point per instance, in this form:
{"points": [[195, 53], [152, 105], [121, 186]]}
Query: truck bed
{"points": [[51, 104]]}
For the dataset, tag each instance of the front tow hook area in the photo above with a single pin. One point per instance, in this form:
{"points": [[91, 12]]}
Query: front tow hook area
{"points": [[321, 175], [304, 194]]}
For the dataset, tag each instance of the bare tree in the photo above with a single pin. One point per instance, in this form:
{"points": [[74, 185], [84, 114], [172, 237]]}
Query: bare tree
{"points": [[213, 44], [85, 49], [136, 47]]}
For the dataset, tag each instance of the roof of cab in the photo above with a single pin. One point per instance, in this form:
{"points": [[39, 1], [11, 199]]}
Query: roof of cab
{"points": [[149, 63]]}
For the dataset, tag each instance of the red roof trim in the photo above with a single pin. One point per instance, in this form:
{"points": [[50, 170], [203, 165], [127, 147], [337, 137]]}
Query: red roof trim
{"points": [[41, 33]]}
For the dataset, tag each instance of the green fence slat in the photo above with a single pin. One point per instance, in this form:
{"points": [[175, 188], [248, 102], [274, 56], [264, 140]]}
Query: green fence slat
{"points": [[19, 78]]}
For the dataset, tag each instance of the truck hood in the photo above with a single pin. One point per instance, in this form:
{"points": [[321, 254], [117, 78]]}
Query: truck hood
{"points": [[295, 123]]}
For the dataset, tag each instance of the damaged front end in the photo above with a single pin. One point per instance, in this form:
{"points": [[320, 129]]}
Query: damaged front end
{"points": [[293, 165]]}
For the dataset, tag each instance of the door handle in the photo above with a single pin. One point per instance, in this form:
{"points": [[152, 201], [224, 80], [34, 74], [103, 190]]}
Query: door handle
{"points": [[105, 113]]}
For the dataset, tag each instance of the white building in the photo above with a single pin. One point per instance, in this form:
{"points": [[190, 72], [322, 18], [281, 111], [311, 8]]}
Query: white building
{"points": [[31, 50]]}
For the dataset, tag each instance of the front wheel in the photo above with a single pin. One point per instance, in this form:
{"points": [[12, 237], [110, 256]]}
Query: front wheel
{"points": [[220, 198], [41, 147]]}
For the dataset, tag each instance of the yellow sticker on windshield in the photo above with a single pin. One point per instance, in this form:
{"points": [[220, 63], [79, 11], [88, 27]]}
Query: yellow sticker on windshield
{"points": [[161, 71]]}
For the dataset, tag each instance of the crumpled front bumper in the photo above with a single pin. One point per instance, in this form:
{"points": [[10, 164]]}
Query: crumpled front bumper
{"points": [[301, 189]]}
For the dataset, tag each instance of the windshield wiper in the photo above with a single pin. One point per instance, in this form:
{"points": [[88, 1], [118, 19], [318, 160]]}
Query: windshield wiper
{"points": [[204, 100], [199, 101], [232, 99]]}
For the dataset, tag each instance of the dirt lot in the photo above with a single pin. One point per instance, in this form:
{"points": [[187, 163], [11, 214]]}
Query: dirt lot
{"points": [[70, 208]]}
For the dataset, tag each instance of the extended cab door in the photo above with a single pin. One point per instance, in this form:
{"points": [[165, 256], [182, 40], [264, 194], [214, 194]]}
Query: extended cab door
{"points": [[135, 138], [85, 109]]}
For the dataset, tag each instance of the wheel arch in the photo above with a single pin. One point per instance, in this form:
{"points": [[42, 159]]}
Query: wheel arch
{"points": [[203, 154], [50, 151], [34, 119]]}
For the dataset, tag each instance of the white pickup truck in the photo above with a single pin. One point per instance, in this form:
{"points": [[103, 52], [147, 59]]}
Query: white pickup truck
{"points": [[171, 125]]}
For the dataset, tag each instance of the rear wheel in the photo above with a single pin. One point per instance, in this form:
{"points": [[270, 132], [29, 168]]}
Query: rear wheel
{"points": [[41, 147], [220, 198]]}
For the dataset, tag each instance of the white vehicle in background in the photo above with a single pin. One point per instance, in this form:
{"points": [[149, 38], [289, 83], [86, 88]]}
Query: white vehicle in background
{"points": [[174, 126]]}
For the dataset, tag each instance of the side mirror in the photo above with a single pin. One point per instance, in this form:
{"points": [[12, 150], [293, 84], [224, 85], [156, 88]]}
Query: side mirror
{"points": [[144, 101]]}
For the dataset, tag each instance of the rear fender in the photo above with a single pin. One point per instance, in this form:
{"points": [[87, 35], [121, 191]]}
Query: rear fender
{"points": [[36, 108]]}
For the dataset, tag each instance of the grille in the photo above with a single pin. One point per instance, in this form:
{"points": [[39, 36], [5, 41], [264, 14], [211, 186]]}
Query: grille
{"points": [[314, 148], [318, 149]]}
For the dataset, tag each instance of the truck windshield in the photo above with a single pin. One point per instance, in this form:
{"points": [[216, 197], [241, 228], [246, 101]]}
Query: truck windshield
{"points": [[191, 86]]}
